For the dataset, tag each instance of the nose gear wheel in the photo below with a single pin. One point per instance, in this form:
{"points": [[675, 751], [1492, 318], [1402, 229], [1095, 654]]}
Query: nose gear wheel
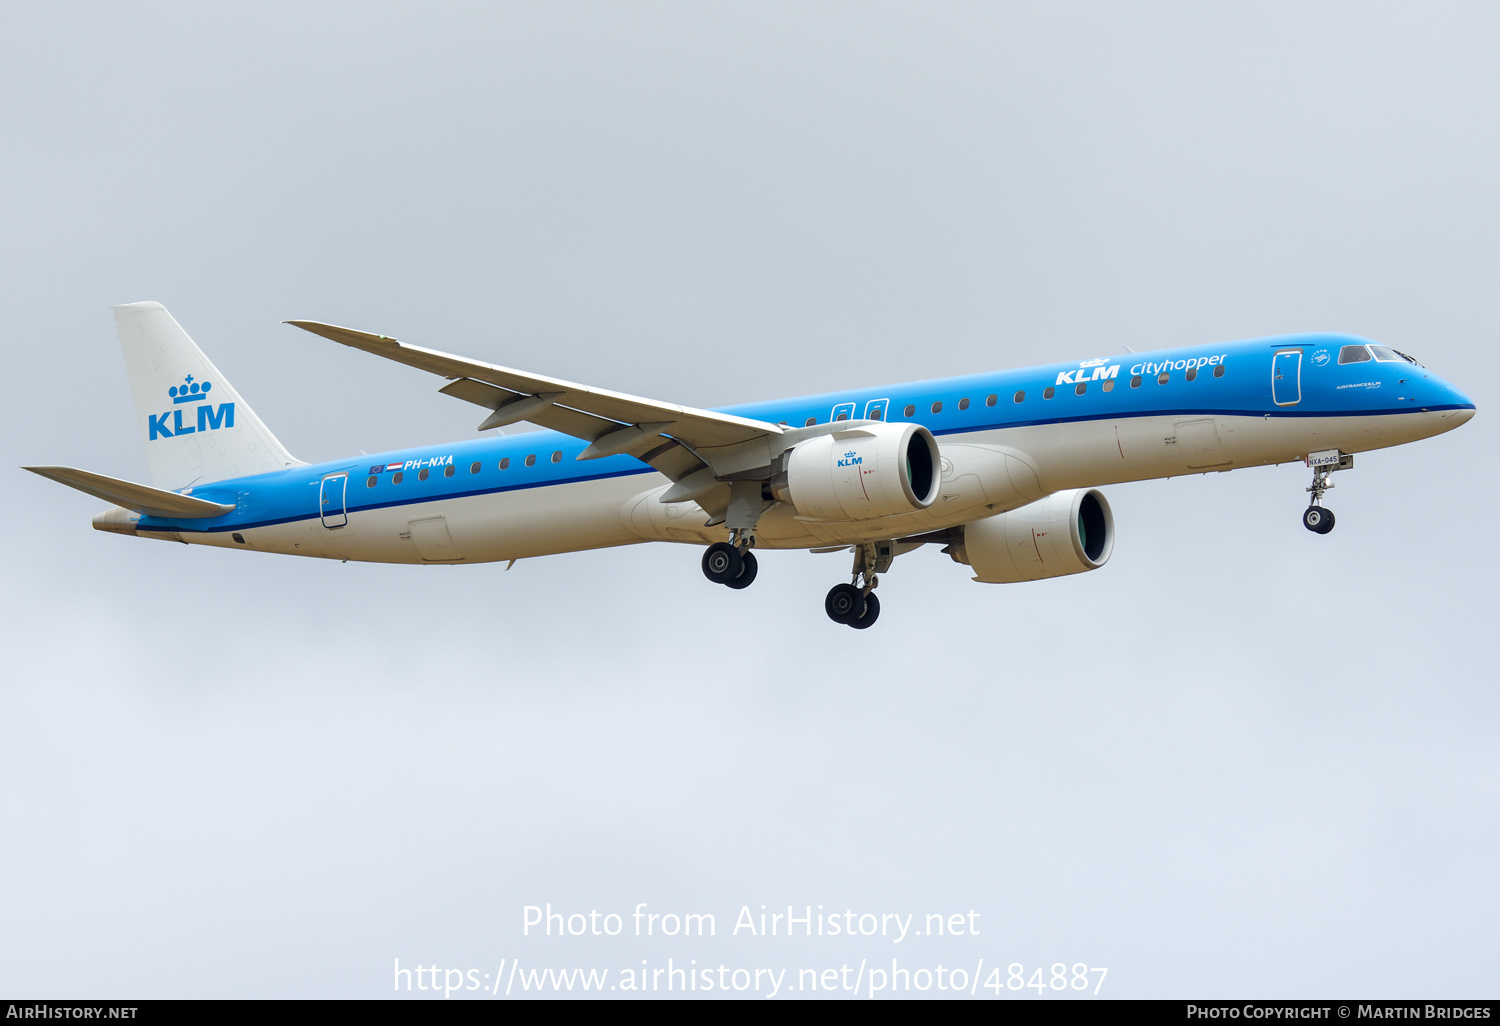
{"points": [[1317, 518]]}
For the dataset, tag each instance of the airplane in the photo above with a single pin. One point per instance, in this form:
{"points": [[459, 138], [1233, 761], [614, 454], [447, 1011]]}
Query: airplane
{"points": [[1011, 490]]}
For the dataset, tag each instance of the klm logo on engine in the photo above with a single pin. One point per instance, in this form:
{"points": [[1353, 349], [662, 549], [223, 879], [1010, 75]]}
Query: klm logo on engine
{"points": [[1088, 370], [209, 417], [849, 459]]}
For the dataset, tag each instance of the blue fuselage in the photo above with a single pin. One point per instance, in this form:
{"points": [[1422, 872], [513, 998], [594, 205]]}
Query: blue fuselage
{"points": [[1285, 378]]}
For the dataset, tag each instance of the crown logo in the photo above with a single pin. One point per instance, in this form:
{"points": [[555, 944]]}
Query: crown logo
{"points": [[1093, 363], [189, 391]]}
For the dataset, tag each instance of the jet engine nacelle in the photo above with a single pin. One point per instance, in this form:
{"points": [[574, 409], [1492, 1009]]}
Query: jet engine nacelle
{"points": [[1065, 533], [874, 470]]}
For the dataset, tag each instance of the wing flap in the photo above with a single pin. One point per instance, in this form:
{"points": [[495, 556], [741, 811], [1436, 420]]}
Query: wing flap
{"points": [[479, 393]]}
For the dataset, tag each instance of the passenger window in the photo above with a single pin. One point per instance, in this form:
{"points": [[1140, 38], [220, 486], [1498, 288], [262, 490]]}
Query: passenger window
{"points": [[1165, 377], [370, 482], [474, 467], [937, 407], [422, 474], [448, 470], [842, 416], [1192, 374], [992, 400], [398, 477], [557, 456], [811, 421], [1109, 384], [1049, 392], [878, 413], [1135, 382], [1354, 354], [505, 463], [1080, 388], [1219, 371], [531, 460], [963, 404], [909, 410], [1019, 397]]}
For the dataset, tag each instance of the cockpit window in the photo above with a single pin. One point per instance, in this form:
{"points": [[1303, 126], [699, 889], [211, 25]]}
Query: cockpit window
{"points": [[1386, 355], [1354, 354]]}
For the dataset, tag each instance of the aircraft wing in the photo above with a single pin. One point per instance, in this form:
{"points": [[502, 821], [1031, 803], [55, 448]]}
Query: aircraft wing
{"points": [[677, 440], [155, 502]]}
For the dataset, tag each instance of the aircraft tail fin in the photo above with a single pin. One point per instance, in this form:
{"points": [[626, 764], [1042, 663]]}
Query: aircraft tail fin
{"points": [[195, 425]]}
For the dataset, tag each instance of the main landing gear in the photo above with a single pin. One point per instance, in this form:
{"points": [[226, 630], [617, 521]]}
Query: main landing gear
{"points": [[1316, 518], [731, 563], [855, 604], [852, 605]]}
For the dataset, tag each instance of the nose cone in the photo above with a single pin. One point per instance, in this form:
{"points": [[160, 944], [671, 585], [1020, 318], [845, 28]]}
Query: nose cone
{"points": [[1435, 393], [1461, 403], [1453, 408]]}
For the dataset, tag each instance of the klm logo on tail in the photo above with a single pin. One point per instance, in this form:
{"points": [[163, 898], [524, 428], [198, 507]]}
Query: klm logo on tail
{"points": [[210, 418]]}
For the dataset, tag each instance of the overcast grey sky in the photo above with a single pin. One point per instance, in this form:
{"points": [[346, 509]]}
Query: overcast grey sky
{"points": [[1240, 760]]}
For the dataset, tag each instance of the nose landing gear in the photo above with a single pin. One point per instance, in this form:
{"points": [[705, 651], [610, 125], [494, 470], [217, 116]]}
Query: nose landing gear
{"points": [[1316, 518]]}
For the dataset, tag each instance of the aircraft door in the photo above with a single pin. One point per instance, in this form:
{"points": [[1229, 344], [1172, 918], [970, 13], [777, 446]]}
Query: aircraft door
{"points": [[1286, 377], [875, 409], [331, 500]]}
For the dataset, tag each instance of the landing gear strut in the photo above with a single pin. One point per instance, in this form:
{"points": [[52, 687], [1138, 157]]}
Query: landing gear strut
{"points": [[1316, 517]]}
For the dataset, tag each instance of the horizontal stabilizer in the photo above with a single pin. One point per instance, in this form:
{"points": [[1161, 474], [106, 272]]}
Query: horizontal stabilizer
{"points": [[155, 502]]}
